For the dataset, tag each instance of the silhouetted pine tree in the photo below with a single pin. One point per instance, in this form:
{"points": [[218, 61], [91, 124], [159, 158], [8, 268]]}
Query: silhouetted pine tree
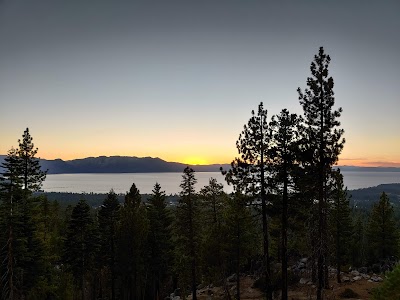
{"points": [[108, 218], [249, 172], [31, 174], [241, 235], [213, 199], [80, 245], [187, 231], [285, 153], [382, 233], [324, 144], [131, 245], [22, 176], [159, 242]]}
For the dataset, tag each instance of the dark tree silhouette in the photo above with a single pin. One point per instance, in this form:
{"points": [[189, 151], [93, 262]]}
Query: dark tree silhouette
{"points": [[108, 218], [382, 233], [187, 224], [325, 143], [80, 245], [248, 172], [159, 241], [284, 153]]}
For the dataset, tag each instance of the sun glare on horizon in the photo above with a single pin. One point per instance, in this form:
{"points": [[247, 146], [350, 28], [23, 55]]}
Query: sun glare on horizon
{"points": [[194, 160]]}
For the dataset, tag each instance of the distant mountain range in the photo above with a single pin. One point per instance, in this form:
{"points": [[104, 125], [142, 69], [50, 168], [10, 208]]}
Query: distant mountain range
{"points": [[131, 164], [119, 164]]}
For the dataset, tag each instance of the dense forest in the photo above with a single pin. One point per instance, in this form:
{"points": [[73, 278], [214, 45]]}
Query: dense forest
{"points": [[289, 204]]}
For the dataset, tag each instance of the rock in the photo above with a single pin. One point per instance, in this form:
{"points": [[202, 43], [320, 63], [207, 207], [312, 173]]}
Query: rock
{"points": [[369, 280], [376, 279], [176, 298], [301, 265], [355, 273], [357, 278], [304, 260], [345, 279], [365, 276]]}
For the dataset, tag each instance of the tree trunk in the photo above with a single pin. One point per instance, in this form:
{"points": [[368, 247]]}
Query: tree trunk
{"points": [[238, 260], [284, 235]]}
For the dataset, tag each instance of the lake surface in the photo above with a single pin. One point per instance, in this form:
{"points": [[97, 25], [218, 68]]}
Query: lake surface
{"points": [[121, 182]]}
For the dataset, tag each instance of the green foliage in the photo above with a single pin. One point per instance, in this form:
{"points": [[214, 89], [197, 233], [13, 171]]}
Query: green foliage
{"points": [[382, 233], [390, 288], [358, 242]]}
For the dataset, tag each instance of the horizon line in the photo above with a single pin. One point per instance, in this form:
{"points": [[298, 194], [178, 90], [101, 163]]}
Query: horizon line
{"points": [[228, 163]]}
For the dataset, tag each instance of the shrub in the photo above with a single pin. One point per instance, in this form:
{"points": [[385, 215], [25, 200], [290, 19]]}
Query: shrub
{"points": [[390, 288]]}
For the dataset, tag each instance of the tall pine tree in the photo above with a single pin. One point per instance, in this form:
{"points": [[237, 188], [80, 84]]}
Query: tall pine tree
{"points": [[284, 153], [132, 235], [159, 242], [188, 230], [324, 143], [249, 172]]}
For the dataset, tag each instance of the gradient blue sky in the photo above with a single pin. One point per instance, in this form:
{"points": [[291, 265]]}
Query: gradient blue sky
{"points": [[178, 79]]}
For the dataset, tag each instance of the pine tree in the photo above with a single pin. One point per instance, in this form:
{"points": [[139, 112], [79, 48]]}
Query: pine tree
{"points": [[284, 152], [188, 229], [358, 243], [382, 232], [159, 240], [108, 218], [324, 144], [340, 220], [241, 235], [21, 177], [80, 245], [131, 245], [32, 175], [10, 226], [213, 199], [248, 173]]}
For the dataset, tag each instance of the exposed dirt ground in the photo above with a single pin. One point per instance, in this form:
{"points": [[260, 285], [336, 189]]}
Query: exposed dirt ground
{"points": [[298, 292]]}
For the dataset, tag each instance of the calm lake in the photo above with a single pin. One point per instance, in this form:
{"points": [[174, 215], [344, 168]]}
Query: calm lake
{"points": [[121, 182]]}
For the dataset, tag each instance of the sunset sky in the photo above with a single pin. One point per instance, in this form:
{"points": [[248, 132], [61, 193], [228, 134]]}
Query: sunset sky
{"points": [[178, 79]]}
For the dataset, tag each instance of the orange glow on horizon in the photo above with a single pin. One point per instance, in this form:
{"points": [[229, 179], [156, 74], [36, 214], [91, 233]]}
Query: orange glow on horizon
{"points": [[195, 160], [203, 156]]}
